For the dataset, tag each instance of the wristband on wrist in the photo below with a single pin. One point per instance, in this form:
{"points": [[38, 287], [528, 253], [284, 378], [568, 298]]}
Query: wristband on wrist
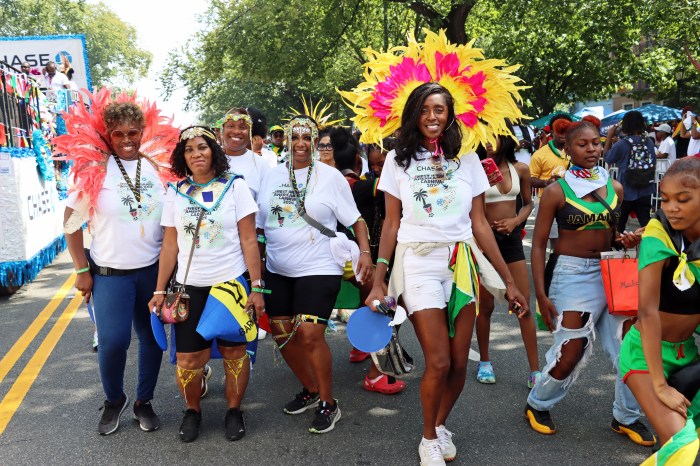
{"points": [[381, 260], [83, 270], [160, 292], [365, 252], [260, 290]]}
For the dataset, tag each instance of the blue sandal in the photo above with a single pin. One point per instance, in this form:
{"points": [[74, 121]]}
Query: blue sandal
{"points": [[485, 373]]}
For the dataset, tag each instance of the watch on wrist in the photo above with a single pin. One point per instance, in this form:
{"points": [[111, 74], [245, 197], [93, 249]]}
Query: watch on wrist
{"points": [[260, 283]]}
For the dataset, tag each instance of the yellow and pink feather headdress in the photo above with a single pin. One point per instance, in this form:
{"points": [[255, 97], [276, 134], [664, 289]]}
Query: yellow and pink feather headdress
{"points": [[485, 91], [86, 146]]}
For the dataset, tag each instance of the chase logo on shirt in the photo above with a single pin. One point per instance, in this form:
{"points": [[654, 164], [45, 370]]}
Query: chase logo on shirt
{"points": [[432, 195]]}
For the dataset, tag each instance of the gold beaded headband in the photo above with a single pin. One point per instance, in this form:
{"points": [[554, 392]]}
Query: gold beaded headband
{"points": [[196, 131], [237, 117]]}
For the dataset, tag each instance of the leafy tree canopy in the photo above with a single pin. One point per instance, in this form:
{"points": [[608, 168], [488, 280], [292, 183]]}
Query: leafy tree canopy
{"points": [[267, 54]]}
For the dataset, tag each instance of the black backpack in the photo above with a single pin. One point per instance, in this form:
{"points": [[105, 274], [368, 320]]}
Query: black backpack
{"points": [[641, 169]]}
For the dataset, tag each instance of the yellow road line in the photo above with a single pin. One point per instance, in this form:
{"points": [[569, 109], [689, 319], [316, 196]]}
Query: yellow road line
{"points": [[14, 397], [21, 345]]}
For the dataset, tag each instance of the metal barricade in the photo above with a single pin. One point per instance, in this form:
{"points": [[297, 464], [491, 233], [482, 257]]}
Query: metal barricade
{"points": [[19, 106]]}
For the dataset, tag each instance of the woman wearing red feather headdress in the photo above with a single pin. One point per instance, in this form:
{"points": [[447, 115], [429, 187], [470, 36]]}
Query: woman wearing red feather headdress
{"points": [[119, 190]]}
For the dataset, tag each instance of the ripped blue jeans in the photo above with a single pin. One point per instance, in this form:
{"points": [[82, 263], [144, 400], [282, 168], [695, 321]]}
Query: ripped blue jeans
{"points": [[577, 286]]}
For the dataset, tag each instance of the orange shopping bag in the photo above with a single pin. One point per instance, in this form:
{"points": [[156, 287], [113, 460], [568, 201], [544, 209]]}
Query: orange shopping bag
{"points": [[621, 281]]}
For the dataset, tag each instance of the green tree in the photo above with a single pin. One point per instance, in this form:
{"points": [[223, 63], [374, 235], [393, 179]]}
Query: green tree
{"points": [[111, 43], [267, 54]]}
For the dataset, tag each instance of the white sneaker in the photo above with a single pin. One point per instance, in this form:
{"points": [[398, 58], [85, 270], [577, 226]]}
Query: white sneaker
{"points": [[430, 453], [449, 451], [261, 334]]}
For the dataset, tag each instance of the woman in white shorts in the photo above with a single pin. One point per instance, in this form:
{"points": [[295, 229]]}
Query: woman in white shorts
{"points": [[432, 200]]}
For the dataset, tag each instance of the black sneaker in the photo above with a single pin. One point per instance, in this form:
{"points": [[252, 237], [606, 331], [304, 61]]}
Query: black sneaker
{"points": [[189, 429], [637, 432], [143, 413], [302, 401], [326, 417], [109, 422], [540, 421], [234, 424]]}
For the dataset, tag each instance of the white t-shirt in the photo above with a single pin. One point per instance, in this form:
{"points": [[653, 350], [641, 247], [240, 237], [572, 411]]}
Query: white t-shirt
{"points": [[269, 156], [693, 146], [294, 248], [115, 226], [667, 146], [218, 256], [433, 210], [523, 155], [252, 167], [56, 82]]}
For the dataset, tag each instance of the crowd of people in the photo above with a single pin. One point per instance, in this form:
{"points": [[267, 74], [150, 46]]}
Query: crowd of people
{"points": [[272, 231]]}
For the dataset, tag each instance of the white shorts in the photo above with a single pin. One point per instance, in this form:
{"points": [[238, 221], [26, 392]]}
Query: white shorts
{"points": [[427, 279]]}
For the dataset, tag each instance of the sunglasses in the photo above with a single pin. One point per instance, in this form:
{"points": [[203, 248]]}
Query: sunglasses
{"points": [[131, 134], [278, 133], [328, 146], [439, 171]]}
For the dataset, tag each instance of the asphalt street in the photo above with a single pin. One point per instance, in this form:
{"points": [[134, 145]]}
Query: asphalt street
{"points": [[49, 411]]}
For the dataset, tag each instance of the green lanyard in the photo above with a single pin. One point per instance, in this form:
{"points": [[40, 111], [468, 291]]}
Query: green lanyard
{"points": [[301, 196], [555, 150]]}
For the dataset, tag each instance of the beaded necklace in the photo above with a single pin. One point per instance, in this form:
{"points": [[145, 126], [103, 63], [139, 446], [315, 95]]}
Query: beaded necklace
{"points": [[136, 190]]}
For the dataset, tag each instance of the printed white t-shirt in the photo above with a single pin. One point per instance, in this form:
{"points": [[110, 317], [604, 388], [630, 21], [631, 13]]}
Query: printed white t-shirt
{"points": [[218, 256], [253, 168], [115, 226], [294, 248], [434, 210]]}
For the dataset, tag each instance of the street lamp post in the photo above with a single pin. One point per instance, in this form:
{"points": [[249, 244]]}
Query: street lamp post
{"points": [[680, 77]]}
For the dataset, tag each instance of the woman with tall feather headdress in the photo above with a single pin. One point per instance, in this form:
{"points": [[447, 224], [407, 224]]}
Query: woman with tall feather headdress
{"points": [[119, 189], [446, 99]]}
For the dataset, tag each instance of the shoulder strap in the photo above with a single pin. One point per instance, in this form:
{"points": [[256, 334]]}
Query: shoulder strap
{"points": [[316, 224], [613, 220], [194, 242]]}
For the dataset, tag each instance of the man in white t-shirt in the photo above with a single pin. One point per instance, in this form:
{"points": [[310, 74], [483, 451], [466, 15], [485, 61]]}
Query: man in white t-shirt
{"points": [[525, 136], [54, 79], [666, 152], [689, 130]]}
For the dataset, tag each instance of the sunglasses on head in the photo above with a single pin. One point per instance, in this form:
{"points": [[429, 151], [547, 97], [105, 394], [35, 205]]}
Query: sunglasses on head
{"points": [[131, 134], [328, 146]]}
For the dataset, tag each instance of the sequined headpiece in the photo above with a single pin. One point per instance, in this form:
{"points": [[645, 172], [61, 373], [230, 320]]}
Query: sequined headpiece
{"points": [[300, 125], [196, 131]]}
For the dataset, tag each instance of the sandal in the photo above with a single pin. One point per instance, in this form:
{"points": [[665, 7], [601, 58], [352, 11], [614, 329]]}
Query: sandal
{"points": [[485, 373], [358, 356], [384, 386]]}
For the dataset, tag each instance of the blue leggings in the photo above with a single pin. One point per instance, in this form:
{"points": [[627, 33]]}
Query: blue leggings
{"points": [[119, 301]]}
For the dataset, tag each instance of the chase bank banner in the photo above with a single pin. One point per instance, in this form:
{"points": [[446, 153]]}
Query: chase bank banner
{"points": [[39, 50]]}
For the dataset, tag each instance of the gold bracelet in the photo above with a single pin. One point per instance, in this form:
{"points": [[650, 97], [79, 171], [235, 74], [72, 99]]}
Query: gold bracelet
{"points": [[160, 292], [365, 252]]}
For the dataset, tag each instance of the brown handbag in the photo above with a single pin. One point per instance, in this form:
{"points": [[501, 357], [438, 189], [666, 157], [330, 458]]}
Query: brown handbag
{"points": [[176, 307]]}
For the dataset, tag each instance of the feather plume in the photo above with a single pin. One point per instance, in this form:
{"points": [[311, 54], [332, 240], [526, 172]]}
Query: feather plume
{"points": [[317, 112], [485, 91], [86, 145]]}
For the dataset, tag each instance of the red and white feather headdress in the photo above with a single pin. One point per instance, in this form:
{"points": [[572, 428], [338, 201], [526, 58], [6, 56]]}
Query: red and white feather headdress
{"points": [[86, 145]]}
